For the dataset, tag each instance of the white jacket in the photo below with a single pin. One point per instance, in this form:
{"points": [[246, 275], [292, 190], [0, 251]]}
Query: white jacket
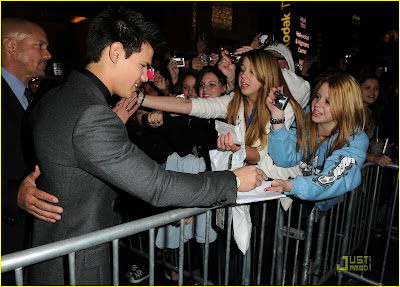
{"points": [[218, 108], [299, 88]]}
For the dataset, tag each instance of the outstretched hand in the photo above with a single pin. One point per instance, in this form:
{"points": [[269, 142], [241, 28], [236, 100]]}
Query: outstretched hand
{"points": [[280, 185], [250, 177], [242, 50], [35, 201]]}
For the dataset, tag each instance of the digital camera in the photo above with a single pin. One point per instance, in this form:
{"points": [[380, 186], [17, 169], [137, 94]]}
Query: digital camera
{"points": [[281, 100], [206, 59], [180, 62], [234, 58], [150, 73], [58, 69], [265, 39]]}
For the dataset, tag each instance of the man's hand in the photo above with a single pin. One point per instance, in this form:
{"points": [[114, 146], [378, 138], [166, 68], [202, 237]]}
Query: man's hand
{"points": [[33, 200], [125, 108], [250, 177], [280, 185]]}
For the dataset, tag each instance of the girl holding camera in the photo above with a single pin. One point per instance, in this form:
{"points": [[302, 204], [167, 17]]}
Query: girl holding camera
{"points": [[335, 147], [259, 71]]}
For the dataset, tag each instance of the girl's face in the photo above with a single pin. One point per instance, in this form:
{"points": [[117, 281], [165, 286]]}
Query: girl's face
{"points": [[321, 111], [210, 86], [370, 91], [248, 83], [189, 87]]}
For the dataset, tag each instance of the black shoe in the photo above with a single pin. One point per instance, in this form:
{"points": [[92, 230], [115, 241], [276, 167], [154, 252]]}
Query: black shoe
{"points": [[136, 275]]}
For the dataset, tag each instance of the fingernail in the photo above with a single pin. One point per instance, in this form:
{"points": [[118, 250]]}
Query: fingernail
{"points": [[59, 210], [229, 133], [58, 217]]}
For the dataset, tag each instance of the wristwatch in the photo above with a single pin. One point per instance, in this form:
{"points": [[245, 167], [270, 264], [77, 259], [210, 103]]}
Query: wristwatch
{"points": [[237, 182]]}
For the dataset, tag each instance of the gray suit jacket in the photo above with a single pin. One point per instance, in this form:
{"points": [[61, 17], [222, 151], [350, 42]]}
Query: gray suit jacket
{"points": [[84, 152]]}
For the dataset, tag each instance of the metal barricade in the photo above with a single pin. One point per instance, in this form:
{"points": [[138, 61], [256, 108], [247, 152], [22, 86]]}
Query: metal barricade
{"points": [[374, 205], [18, 260], [300, 246], [310, 245]]}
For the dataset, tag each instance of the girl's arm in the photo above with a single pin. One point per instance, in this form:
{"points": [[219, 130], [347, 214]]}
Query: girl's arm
{"points": [[168, 104], [203, 108], [282, 138], [282, 147]]}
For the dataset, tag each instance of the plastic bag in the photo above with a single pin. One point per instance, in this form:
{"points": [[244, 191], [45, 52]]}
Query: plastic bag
{"points": [[227, 160], [242, 226]]}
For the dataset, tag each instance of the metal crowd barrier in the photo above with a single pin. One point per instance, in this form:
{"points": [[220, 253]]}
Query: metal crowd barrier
{"points": [[18, 260], [320, 245], [300, 246]]}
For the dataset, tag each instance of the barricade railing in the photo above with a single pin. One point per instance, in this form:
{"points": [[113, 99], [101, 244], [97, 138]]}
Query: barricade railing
{"points": [[374, 211], [300, 246], [311, 246], [18, 260]]}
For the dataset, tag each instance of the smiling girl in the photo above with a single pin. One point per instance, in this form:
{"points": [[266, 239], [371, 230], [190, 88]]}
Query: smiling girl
{"points": [[259, 70], [336, 144]]}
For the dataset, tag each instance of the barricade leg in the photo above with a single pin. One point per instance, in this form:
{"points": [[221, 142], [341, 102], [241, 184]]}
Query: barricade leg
{"points": [[307, 248]]}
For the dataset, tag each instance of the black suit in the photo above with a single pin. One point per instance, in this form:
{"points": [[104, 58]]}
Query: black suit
{"points": [[14, 168], [84, 152]]}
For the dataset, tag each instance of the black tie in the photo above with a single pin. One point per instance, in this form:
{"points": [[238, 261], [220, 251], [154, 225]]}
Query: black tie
{"points": [[28, 95]]}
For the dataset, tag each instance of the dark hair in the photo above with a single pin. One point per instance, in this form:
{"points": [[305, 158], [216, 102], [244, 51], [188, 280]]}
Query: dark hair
{"points": [[122, 25], [210, 69], [182, 76], [365, 77]]}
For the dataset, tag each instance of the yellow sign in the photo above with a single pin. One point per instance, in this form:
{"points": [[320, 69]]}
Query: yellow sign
{"points": [[355, 263]]}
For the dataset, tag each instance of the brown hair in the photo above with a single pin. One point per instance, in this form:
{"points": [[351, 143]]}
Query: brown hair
{"points": [[266, 69]]}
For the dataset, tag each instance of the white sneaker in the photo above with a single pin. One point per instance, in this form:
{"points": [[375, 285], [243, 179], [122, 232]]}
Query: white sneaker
{"points": [[136, 275]]}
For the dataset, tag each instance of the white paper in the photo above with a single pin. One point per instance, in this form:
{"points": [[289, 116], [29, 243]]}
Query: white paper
{"points": [[224, 128], [258, 194]]}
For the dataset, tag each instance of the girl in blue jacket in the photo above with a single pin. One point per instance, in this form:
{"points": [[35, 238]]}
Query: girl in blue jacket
{"points": [[335, 147]]}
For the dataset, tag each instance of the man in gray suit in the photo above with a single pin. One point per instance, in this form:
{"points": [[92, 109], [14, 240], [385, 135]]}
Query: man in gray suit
{"points": [[84, 151]]}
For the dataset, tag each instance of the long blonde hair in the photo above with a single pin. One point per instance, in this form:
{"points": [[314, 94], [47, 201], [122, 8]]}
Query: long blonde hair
{"points": [[266, 69], [347, 110]]}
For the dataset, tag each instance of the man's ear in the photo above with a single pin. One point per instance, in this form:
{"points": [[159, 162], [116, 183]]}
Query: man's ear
{"points": [[9, 45], [116, 52]]}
